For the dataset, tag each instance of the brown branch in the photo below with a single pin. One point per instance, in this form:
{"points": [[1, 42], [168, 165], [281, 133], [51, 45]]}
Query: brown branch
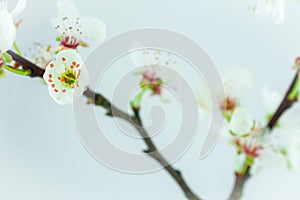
{"points": [[240, 180], [152, 151], [286, 103], [113, 111]]}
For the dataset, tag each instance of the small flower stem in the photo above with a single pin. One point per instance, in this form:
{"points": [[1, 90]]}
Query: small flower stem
{"points": [[17, 49], [26, 64], [17, 71], [240, 180]]}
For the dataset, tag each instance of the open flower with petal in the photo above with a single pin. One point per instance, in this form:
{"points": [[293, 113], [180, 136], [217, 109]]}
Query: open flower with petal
{"points": [[7, 26], [74, 29], [155, 68], [66, 76], [237, 83]]}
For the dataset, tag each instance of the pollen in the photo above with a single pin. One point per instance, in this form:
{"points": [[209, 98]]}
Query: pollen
{"points": [[55, 90], [64, 90], [63, 59], [51, 65], [50, 75], [53, 85]]}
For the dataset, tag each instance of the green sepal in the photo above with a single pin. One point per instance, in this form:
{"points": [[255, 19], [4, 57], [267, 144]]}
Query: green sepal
{"points": [[250, 160], [58, 38], [2, 73], [6, 57]]}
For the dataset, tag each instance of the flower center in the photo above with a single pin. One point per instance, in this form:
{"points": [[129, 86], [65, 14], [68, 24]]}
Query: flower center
{"points": [[69, 78], [70, 42]]}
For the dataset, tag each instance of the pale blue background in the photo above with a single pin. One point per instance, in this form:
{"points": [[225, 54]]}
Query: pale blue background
{"points": [[41, 155]]}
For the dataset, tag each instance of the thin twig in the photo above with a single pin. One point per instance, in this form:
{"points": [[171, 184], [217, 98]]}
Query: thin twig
{"points": [[286, 103], [113, 111]]}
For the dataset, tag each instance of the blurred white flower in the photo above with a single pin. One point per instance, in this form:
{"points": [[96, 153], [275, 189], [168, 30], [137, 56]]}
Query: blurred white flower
{"points": [[269, 158], [241, 122], [237, 83], [294, 148], [275, 8], [66, 77], [73, 28], [7, 26], [271, 99]]}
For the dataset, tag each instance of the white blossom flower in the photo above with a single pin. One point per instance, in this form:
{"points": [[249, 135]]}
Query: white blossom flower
{"points": [[275, 8], [241, 122], [7, 26], [67, 77], [73, 28], [271, 99], [154, 75], [269, 158], [237, 83]]}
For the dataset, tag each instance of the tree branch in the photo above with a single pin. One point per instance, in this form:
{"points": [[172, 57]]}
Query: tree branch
{"points": [[286, 103], [113, 111]]}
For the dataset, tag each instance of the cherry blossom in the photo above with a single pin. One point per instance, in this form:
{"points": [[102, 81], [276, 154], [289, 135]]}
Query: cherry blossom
{"points": [[7, 25], [66, 77], [74, 29]]}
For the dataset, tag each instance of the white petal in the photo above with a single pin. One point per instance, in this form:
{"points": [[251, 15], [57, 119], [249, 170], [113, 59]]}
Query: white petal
{"points": [[271, 98], [279, 10], [66, 8], [62, 98], [146, 57], [92, 28], [57, 69], [19, 8], [237, 83], [67, 57], [64, 23], [3, 5], [294, 148], [270, 159], [7, 31], [83, 82], [275, 8], [241, 122]]}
